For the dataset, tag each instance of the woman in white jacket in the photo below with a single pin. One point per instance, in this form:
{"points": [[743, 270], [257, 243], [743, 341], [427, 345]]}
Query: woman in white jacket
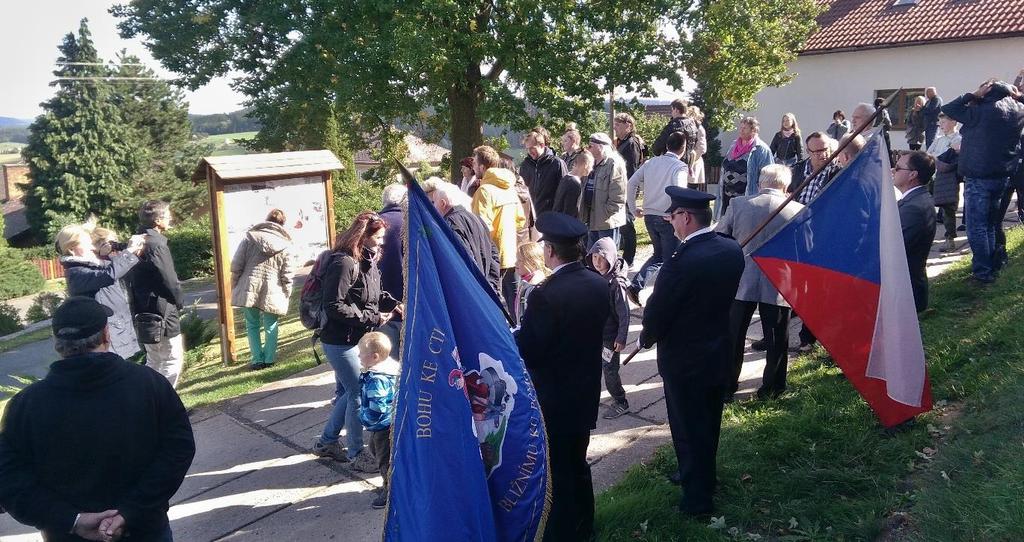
{"points": [[697, 179], [261, 279]]}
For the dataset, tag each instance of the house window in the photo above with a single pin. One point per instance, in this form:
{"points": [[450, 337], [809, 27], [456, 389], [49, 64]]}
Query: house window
{"points": [[901, 105]]}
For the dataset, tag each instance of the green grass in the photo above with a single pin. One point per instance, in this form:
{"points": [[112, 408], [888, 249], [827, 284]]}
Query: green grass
{"points": [[221, 139], [22, 340], [207, 380], [816, 465]]}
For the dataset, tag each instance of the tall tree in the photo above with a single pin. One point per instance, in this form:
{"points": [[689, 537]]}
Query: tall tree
{"points": [[81, 156], [450, 66], [158, 115]]}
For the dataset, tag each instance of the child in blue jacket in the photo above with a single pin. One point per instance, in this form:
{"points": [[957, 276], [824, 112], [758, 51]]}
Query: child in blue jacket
{"points": [[377, 402]]}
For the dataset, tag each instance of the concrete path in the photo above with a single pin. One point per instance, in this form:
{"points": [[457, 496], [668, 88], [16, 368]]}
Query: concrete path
{"points": [[252, 478]]}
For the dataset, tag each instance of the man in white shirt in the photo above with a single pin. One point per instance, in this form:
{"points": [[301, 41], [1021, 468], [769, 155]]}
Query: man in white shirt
{"points": [[653, 177]]}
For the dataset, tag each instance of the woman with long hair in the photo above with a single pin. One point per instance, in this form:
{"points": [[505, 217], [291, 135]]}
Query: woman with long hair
{"points": [[697, 154], [915, 124], [94, 265], [355, 304], [261, 284], [787, 145]]}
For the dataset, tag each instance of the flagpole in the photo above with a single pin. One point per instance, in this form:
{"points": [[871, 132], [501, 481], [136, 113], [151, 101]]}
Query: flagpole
{"points": [[806, 181], [809, 178]]}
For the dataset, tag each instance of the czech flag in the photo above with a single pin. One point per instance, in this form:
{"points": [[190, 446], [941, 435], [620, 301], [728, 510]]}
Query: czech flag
{"points": [[469, 447], [842, 266]]}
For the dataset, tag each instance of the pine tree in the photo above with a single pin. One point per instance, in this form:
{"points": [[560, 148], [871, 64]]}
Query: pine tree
{"points": [[158, 115], [81, 156]]}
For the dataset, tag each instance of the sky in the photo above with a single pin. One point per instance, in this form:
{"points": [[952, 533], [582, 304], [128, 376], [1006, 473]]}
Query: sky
{"points": [[28, 48]]}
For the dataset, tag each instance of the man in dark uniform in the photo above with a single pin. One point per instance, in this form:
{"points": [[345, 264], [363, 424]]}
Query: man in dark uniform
{"points": [[687, 316], [560, 342]]}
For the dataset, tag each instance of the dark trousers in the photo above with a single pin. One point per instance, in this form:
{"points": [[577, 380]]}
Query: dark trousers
{"points": [[949, 220], [571, 516], [999, 259], [627, 235], [509, 284], [929, 134], [664, 243], [775, 323], [695, 418], [612, 380], [380, 446]]}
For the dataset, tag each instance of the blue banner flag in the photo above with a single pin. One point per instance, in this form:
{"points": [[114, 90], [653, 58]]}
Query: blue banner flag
{"points": [[469, 448]]}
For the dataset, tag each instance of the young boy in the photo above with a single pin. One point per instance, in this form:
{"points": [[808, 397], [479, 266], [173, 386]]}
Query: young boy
{"points": [[377, 400], [604, 259]]}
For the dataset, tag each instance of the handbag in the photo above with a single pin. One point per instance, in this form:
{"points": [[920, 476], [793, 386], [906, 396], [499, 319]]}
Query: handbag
{"points": [[149, 326]]}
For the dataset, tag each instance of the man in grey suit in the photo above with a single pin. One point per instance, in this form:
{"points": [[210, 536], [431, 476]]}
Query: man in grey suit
{"points": [[913, 172], [742, 217]]}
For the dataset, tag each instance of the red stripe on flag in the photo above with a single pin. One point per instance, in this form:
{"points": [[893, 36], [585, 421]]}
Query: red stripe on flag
{"points": [[841, 311]]}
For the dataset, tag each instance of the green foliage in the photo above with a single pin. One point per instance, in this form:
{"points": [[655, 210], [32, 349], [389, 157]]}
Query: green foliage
{"points": [[10, 320], [3, 240], [740, 47], [352, 198], [195, 331], [18, 277], [191, 245], [43, 306], [42, 252], [102, 149]]}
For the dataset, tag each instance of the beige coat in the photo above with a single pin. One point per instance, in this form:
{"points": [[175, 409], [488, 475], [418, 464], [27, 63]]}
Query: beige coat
{"points": [[261, 271], [608, 209]]}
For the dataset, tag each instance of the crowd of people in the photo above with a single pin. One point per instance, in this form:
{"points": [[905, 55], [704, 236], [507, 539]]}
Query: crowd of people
{"points": [[555, 239]]}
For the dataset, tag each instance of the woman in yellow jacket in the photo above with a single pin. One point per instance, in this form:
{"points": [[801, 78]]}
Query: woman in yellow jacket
{"points": [[497, 203]]}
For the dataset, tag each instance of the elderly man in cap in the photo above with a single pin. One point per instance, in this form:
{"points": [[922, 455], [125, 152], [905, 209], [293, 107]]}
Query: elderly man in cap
{"points": [[603, 201], [687, 316], [96, 449], [560, 342]]}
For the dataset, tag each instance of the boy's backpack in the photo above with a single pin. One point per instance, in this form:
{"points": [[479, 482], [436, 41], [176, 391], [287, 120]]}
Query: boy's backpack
{"points": [[312, 311]]}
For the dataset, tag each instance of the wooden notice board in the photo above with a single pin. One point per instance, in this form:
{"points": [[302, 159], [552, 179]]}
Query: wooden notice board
{"points": [[243, 189]]}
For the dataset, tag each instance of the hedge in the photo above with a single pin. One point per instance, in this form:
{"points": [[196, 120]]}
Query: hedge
{"points": [[18, 277], [191, 245]]}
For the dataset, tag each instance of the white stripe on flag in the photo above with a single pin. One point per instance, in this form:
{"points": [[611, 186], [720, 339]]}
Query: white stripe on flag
{"points": [[897, 353]]}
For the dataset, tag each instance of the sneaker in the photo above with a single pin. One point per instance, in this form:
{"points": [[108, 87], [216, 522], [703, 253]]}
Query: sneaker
{"points": [[332, 451], [633, 293], [759, 345], [365, 462], [380, 501], [616, 410]]}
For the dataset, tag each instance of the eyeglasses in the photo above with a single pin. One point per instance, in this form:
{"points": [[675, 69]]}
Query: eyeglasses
{"points": [[823, 150]]}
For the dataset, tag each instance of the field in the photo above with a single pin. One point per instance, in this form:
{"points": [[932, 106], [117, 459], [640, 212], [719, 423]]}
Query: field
{"points": [[10, 152], [229, 144]]}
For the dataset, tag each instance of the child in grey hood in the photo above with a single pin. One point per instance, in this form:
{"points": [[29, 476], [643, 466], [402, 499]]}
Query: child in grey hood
{"points": [[604, 259]]}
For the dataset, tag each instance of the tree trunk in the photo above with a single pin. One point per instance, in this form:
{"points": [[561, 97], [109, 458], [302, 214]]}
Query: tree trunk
{"points": [[466, 127]]}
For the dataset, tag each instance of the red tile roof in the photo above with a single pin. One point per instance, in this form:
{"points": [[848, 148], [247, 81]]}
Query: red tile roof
{"points": [[874, 24]]}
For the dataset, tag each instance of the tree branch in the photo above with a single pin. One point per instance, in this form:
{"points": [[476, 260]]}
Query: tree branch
{"points": [[496, 70]]}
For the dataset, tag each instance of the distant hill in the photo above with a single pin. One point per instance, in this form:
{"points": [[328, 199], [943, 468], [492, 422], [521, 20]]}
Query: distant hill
{"points": [[11, 122], [223, 123]]}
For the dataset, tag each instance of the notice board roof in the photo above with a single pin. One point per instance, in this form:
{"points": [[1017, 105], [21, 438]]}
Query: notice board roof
{"points": [[275, 164]]}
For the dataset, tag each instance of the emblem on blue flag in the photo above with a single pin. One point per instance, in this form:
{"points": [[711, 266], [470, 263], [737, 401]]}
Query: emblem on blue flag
{"points": [[469, 448]]}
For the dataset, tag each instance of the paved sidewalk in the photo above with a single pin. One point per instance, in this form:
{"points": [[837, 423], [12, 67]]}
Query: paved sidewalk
{"points": [[252, 478]]}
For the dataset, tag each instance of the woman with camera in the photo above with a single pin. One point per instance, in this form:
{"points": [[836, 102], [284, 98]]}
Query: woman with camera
{"points": [[94, 265]]}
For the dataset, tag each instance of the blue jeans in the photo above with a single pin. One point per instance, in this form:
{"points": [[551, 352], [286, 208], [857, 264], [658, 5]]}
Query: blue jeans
{"points": [[981, 205], [664, 242], [345, 413], [594, 235]]}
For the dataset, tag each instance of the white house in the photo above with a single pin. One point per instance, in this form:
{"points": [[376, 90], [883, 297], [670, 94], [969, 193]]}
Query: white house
{"points": [[865, 49]]}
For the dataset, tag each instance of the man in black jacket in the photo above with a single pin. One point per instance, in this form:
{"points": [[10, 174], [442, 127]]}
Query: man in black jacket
{"points": [[156, 293], [452, 204], [687, 316], [993, 119], [96, 449], [631, 149], [911, 176], [541, 170], [678, 123], [560, 342]]}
